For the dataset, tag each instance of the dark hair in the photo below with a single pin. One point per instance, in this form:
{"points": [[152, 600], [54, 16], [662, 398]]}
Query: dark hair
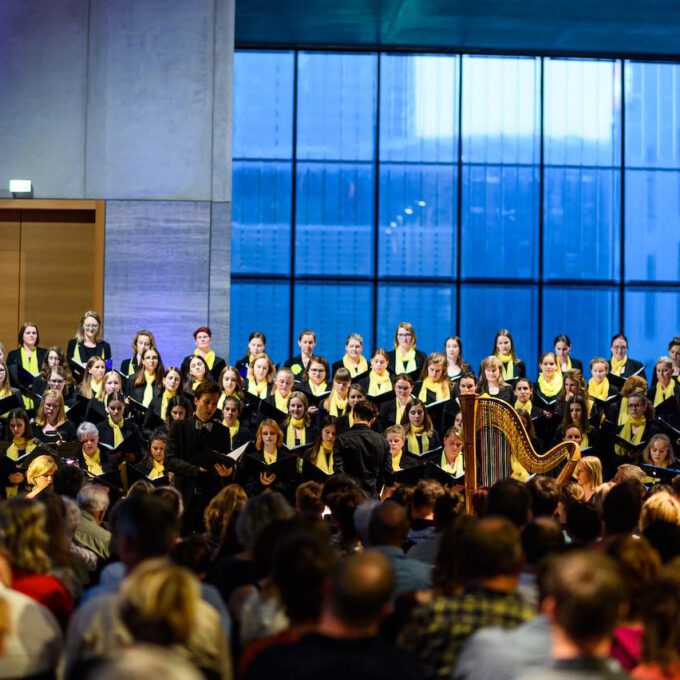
{"points": [[510, 499], [541, 538], [149, 523], [388, 524], [202, 329], [584, 524], [588, 592], [308, 499], [447, 574], [365, 410], [22, 330], [545, 495], [67, 480], [207, 387], [665, 537], [621, 508], [562, 338], [194, 552], [19, 414], [490, 547], [426, 493]]}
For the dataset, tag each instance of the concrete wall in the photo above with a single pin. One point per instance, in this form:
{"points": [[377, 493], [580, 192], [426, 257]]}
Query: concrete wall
{"points": [[130, 101]]}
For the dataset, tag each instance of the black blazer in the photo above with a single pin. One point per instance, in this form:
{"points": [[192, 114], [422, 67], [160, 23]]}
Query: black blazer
{"points": [[421, 358], [506, 394], [102, 349], [575, 363], [388, 412], [67, 432], [107, 462], [631, 367], [355, 377], [137, 391], [106, 434], [14, 361], [184, 443], [434, 442], [215, 371], [430, 396], [129, 367]]}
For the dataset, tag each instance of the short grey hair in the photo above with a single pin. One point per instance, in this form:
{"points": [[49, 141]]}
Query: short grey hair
{"points": [[86, 430], [93, 498]]}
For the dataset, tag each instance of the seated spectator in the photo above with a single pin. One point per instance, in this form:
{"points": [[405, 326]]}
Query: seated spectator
{"points": [[93, 501], [584, 524], [541, 539], [424, 497], [346, 540], [545, 495], [346, 642], [621, 509], [308, 499], [664, 537], [583, 597], [220, 520], [511, 499], [22, 532], [660, 507], [387, 532], [490, 561]]}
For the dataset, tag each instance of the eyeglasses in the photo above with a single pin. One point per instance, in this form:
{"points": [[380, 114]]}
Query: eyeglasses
{"points": [[317, 370], [91, 326], [403, 335], [620, 346]]}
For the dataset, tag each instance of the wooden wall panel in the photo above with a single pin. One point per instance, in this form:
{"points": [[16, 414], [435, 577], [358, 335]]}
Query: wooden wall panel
{"points": [[10, 237], [58, 271], [55, 253]]}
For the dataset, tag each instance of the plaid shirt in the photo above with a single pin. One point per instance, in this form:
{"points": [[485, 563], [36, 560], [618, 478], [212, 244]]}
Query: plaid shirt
{"points": [[438, 629]]}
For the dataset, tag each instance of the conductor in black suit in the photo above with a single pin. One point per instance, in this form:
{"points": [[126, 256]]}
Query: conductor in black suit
{"points": [[363, 453], [190, 438]]}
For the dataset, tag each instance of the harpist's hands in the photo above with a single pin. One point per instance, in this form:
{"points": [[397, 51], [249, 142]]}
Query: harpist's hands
{"points": [[267, 480], [224, 470]]}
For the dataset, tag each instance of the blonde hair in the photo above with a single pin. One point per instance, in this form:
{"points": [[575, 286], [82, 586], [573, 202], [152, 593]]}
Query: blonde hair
{"points": [[42, 465], [395, 429], [220, 511], [40, 419], [159, 603], [22, 532], [663, 507], [407, 327], [593, 465], [670, 457], [80, 333]]}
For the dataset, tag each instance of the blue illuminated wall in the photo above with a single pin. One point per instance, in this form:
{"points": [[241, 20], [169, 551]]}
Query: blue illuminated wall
{"points": [[462, 193]]}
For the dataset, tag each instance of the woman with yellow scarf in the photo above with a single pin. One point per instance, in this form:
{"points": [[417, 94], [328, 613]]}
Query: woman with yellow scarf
{"points": [[405, 358], [434, 383], [24, 363], [260, 376], [636, 430], [197, 372], [599, 387], [562, 345], [257, 345], [21, 441], [491, 383], [621, 364], [91, 459], [6, 391], [203, 338], [504, 350], [148, 382], [87, 342], [231, 383], [355, 395], [239, 434], [378, 381], [317, 377], [153, 464], [92, 384], [336, 404], [549, 383], [576, 415], [664, 394], [321, 453], [141, 341], [115, 429], [353, 360], [421, 437], [297, 428]]}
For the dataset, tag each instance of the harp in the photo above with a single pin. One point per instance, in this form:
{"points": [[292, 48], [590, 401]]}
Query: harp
{"points": [[492, 433]]}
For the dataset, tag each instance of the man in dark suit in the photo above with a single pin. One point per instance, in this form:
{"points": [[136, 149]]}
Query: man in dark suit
{"points": [[363, 453], [190, 438]]}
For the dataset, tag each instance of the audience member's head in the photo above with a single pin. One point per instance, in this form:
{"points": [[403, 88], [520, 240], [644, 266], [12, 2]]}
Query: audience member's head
{"points": [[545, 495], [194, 553], [158, 603], [22, 533], [308, 499], [362, 518], [388, 525], [146, 526], [338, 484], [447, 576], [660, 507], [141, 662], [627, 472], [361, 591], [93, 499], [257, 513], [446, 509], [584, 524], [584, 594], [67, 480], [345, 504], [510, 499], [173, 497], [223, 507], [424, 498], [665, 537], [490, 548], [621, 508], [639, 564], [541, 538]]}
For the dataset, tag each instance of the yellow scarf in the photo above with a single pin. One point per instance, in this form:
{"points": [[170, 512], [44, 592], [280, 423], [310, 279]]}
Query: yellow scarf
{"points": [[568, 368], [324, 459], [131, 366], [350, 419], [296, 435], [457, 469], [518, 471], [440, 389], [19, 447], [233, 429], [30, 363], [148, 389], [258, 389], [158, 470], [318, 389], [209, 357], [617, 366], [270, 458], [11, 491], [336, 406], [507, 366], [519, 406], [418, 445], [167, 396], [5, 391], [405, 363], [623, 412], [584, 440], [378, 384], [355, 369], [396, 461], [661, 394], [600, 391], [94, 466], [281, 402], [552, 388], [627, 433], [117, 434], [76, 354]]}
